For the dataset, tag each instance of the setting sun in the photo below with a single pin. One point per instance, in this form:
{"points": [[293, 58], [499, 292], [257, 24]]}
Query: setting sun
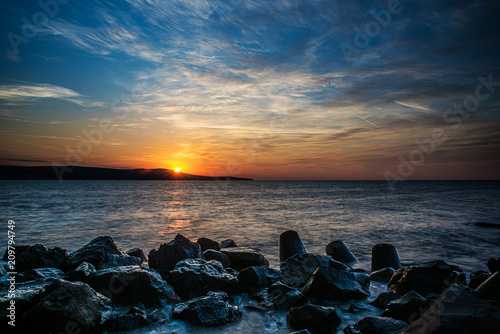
{"points": [[177, 169]]}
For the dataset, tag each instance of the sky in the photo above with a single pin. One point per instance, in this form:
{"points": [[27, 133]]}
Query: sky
{"points": [[289, 89]]}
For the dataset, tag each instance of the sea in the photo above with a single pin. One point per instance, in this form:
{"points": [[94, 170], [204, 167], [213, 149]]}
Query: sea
{"points": [[424, 220]]}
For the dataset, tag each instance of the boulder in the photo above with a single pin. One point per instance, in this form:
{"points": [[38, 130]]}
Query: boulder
{"points": [[137, 252], [244, 257], [339, 252], [211, 254], [493, 265], [39, 274], [336, 282], [317, 319], [38, 256], [114, 260], [166, 257], [253, 278], [81, 273], [25, 297], [490, 289], [18, 250], [196, 277], [206, 243], [457, 311], [382, 275], [227, 243], [297, 270], [210, 310], [477, 277], [384, 298], [290, 245], [135, 318], [407, 308], [384, 255], [129, 285], [284, 297], [376, 325], [65, 307]]}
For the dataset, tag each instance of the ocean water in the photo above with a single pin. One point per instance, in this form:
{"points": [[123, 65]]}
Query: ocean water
{"points": [[425, 220]]}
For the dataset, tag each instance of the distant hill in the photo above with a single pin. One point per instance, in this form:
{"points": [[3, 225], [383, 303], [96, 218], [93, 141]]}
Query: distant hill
{"points": [[95, 173]]}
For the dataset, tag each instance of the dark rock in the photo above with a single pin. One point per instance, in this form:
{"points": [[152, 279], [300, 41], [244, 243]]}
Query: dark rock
{"points": [[65, 307], [3, 271], [384, 298], [165, 258], [339, 252], [210, 310], [493, 265], [489, 225], [430, 277], [37, 256], [253, 278], [284, 297], [302, 331], [137, 252], [490, 289], [133, 319], [227, 243], [128, 285], [376, 325], [211, 254], [25, 297], [196, 277], [383, 275], [384, 255], [206, 243], [336, 282], [297, 270], [477, 278], [356, 308], [81, 273], [407, 308], [244, 257], [290, 245], [102, 252], [317, 319], [457, 311], [18, 250], [39, 274]]}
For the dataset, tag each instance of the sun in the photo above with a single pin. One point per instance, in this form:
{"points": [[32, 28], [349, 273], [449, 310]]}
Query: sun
{"points": [[177, 169]]}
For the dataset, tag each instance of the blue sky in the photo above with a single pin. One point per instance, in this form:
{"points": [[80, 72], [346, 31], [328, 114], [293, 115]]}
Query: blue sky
{"points": [[254, 88]]}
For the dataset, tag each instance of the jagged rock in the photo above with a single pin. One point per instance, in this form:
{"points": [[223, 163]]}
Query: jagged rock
{"points": [[385, 255], [206, 243], [376, 325], [490, 289], [18, 250], [166, 257], [317, 319], [38, 256], [227, 243], [65, 306], [196, 277], [384, 298], [211, 254], [39, 274], [430, 277], [457, 311], [252, 278], [137, 252], [81, 273], [133, 319], [339, 252], [210, 310], [284, 297], [336, 282], [244, 257], [297, 270], [493, 265], [407, 308], [25, 297], [102, 252], [382, 275], [128, 285], [290, 245], [477, 278]]}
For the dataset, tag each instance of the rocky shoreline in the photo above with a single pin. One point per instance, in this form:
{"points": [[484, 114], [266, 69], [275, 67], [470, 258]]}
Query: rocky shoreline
{"points": [[101, 288]]}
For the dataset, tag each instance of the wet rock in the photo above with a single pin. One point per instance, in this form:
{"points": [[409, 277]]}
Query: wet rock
{"points": [[457, 311], [196, 277], [26, 296], [407, 308], [317, 319], [339, 252], [206, 243], [81, 273], [133, 319], [383, 275], [244, 257], [114, 260], [38, 256], [284, 297], [39, 274], [385, 255], [490, 289], [210, 310], [65, 307], [297, 270], [302, 331], [227, 243], [376, 325], [165, 258], [137, 252], [211, 254], [336, 282], [253, 278], [129, 285], [18, 250], [3, 271], [493, 265], [477, 277], [384, 298], [290, 245]]}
